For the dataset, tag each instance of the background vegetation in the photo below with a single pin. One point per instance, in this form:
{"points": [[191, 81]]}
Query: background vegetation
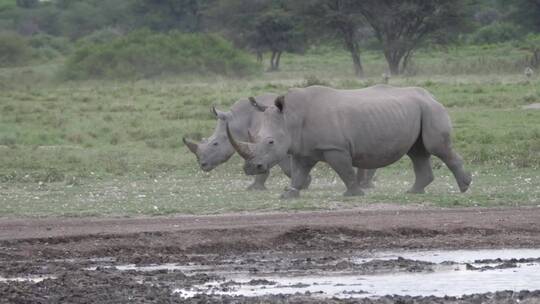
{"points": [[96, 95]]}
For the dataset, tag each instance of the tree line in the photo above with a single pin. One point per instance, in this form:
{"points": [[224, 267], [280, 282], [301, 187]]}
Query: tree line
{"points": [[396, 27]]}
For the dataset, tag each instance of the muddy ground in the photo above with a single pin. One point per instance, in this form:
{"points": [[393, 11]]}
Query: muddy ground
{"points": [[76, 258]]}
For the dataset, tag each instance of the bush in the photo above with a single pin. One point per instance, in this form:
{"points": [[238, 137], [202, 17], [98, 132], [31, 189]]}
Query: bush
{"points": [[496, 33], [45, 47], [144, 54], [14, 49], [105, 35]]}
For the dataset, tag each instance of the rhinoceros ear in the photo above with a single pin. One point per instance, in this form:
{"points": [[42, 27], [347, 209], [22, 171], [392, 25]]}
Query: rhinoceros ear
{"points": [[257, 105], [280, 103], [219, 114]]}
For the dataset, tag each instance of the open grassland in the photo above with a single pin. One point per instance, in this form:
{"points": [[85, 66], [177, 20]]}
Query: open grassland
{"points": [[114, 148]]}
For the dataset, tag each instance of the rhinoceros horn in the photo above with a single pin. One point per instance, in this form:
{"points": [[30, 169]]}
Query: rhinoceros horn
{"points": [[192, 146], [243, 148]]}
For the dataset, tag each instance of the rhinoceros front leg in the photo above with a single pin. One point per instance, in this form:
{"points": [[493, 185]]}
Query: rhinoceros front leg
{"points": [[285, 166], [299, 176], [341, 162], [365, 177], [258, 182]]}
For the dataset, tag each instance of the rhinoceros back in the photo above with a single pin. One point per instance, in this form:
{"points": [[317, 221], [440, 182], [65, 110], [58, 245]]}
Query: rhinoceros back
{"points": [[377, 125]]}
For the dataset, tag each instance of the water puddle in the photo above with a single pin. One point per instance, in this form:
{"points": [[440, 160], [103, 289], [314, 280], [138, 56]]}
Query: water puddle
{"points": [[454, 273], [407, 273], [457, 256], [33, 279]]}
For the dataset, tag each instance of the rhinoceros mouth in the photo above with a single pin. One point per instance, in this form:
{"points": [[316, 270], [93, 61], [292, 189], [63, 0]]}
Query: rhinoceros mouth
{"points": [[252, 169]]}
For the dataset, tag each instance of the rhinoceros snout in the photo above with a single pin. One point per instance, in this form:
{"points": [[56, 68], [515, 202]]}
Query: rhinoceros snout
{"points": [[254, 169], [206, 167]]}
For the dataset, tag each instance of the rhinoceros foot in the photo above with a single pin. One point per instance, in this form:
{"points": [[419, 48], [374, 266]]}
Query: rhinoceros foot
{"points": [[354, 192], [256, 187], [307, 183], [416, 191], [367, 185], [465, 182], [290, 193]]}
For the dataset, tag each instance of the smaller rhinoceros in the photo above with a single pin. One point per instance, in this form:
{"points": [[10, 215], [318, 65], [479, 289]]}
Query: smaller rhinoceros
{"points": [[243, 119]]}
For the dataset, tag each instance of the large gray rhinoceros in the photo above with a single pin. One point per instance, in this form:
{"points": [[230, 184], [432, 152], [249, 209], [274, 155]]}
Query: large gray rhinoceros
{"points": [[368, 128], [242, 119]]}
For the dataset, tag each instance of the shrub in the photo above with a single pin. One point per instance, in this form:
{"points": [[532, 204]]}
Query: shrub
{"points": [[144, 54], [496, 32], [45, 47], [105, 35], [14, 49]]}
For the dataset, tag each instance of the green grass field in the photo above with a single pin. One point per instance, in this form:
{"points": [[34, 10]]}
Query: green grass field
{"points": [[114, 148]]}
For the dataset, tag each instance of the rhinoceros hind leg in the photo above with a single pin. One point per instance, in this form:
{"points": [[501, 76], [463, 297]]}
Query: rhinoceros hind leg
{"points": [[365, 178], [258, 182], [341, 162], [442, 148], [423, 171], [306, 183], [454, 162]]}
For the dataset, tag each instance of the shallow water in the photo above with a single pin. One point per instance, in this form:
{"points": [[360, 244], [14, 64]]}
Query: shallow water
{"points": [[458, 256], [33, 279], [449, 276], [445, 280]]}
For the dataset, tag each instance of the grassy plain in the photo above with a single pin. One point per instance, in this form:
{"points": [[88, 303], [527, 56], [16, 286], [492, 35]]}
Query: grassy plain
{"points": [[114, 148]]}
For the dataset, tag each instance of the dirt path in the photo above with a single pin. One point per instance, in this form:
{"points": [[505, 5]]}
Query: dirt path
{"points": [[391, 227], [390, 217]]}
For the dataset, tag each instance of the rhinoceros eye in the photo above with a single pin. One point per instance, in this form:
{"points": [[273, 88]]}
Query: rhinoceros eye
{"points": [[215, 143], [271, 142]]}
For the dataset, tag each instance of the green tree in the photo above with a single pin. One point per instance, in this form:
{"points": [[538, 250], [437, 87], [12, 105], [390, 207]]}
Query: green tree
{"points": [[525, 13], [27, 3], [259, 25], [402, 25], [165, 15], [335, 18]]}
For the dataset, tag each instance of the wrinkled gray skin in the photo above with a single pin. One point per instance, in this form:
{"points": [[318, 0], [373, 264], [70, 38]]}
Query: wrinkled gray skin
{"points": [[242, 119], [368, 128]]}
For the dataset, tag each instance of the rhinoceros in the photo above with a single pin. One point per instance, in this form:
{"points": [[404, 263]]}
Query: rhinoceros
{"points": [[243, 120], [368, 128]]}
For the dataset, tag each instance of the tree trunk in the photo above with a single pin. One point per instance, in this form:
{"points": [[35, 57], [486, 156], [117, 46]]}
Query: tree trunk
{"points": [[272, 61], [259, 56], [276, 63], [393, 59], [352, 47], [358, 69]]}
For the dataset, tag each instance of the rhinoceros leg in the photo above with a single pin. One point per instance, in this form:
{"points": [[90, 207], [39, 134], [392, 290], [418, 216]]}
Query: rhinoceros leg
{"points": [[258, 182], [437, 142], [301, 167], [341, 162], [423, 171], [454, 162], [285, 166], [365, 177]]}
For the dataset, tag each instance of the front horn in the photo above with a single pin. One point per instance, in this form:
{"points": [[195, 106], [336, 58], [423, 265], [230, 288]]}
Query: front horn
{"points": [[244, 149], [192, 146]]}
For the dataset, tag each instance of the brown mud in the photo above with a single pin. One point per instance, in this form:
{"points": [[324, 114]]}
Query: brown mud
{"points": [[76, 257]]}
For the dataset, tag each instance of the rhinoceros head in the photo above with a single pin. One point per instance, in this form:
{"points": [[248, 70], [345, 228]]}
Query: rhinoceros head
{"points": [[269, 145], [216, 149]]}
